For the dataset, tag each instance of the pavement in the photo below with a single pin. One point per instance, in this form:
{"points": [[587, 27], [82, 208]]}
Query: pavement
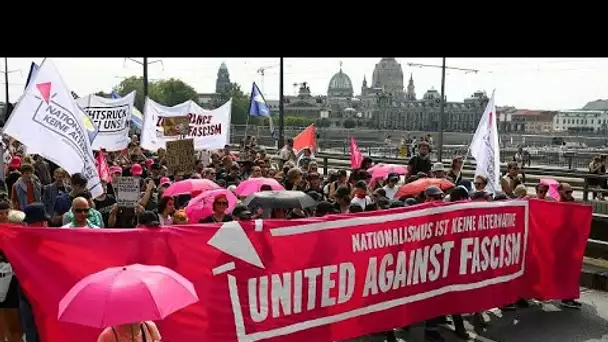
{"points": [[542, 322]]}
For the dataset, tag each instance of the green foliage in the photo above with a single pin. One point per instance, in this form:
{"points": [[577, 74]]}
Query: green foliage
{"points": [[350, 123], [174, 91], [240, 103], [298, 121], [166, 92], [323, 122], [133, 83]]}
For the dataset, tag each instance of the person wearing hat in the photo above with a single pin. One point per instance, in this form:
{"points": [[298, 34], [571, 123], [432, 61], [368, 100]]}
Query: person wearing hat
{"points": [[36, 215], [383, 203], [360, 196], [438, 170], [13, 172], [391, 187], [241, 213], [115, 173], [433, 194]]}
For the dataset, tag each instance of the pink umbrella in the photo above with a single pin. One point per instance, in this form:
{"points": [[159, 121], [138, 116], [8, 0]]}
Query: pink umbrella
{"points": [[253, 185], [201, 206], [126, 294], [188, 186], [384, 169], [552, 184]]}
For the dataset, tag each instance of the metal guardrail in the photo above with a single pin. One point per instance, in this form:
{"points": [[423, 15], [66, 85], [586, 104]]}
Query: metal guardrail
{"points": [[578, 180]]}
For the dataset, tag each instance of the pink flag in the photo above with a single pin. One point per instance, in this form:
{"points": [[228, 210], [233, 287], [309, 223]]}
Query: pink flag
{"points": [[102, 167], [356, 158]]}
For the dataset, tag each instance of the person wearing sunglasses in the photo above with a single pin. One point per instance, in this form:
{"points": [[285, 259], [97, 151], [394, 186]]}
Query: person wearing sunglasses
{"points": [[542, 191], [220, 205], [80, 210]]}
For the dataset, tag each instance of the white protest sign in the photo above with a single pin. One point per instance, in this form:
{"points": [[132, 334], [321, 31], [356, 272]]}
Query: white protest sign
{"points": [[112, 117], [210, 129], [48, 121], [127, 193]]}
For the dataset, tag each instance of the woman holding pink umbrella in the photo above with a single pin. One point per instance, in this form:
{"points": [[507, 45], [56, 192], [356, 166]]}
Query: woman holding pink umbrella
{"points": [[143, 331], [125, 300]]}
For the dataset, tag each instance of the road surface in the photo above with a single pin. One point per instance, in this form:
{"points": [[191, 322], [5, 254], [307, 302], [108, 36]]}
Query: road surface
{"points": [[543, 322]]}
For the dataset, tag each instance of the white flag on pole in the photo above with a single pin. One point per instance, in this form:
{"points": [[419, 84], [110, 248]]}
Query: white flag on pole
{"points": [[485, 149], [48, 121]]}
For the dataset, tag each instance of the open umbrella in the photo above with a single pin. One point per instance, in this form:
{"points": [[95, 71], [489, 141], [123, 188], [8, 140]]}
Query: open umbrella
{"points": [[201, 206], [382, 170], [553, 185], [389, 168], [187, 186], [416, 187], [126, 294], [279, 199], [253, 185]]}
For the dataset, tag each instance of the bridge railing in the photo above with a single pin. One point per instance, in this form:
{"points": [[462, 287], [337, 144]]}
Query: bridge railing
{"points": [[577, 179]]}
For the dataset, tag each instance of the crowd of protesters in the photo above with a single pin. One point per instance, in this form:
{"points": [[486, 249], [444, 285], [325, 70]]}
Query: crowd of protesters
{"points": [[37, 192]]}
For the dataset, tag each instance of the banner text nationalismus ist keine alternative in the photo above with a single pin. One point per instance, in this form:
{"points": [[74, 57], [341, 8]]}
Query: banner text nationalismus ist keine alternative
{"points": [[290, 293]]}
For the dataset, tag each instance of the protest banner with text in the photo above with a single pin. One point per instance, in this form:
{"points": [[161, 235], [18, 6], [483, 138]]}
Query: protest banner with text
{"points": [[48, 122], [112, 117], [323, 279], [210, 129]]}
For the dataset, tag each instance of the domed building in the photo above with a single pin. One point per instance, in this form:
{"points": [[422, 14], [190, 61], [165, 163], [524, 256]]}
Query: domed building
{"points": [[385, 105], [388, 76], [340, 86]]}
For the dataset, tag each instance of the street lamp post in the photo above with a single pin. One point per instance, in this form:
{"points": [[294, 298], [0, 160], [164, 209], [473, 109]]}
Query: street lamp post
{"points": [[145, 64], [441, 112], [281, 141]]}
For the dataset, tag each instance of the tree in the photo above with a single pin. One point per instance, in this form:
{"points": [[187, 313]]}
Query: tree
{"points": [[350, 123], [298, 121], [323, 122], [130, 84], [166, 92], [172, 92], [240, 103]]}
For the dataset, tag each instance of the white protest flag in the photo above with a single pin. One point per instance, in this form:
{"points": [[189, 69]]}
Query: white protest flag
{"points": [[112, 117], [485, 149], [48, 121], [210, 129]]}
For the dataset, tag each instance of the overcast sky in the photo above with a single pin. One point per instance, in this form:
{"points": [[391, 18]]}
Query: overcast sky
{"points": [[530, 83]]}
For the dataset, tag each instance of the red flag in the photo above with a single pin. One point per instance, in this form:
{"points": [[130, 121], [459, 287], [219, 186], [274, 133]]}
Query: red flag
{"points": [[102, 167], [306, 138], [356, 158]]}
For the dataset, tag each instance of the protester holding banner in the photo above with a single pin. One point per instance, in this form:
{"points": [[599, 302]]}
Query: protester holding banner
{"points": [[370, 239]]}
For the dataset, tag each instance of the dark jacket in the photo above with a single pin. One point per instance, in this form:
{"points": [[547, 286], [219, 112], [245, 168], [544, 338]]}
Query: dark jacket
{"points": [[49, 197]]}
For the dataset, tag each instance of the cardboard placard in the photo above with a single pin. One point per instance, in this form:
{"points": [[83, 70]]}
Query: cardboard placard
{"points": [[175, 126], [127, 192], [180, 155]]}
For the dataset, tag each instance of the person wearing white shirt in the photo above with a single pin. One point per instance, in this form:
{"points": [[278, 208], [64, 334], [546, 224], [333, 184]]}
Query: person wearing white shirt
{"points": [[360, 195], [80, 208], [391, 187]]}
